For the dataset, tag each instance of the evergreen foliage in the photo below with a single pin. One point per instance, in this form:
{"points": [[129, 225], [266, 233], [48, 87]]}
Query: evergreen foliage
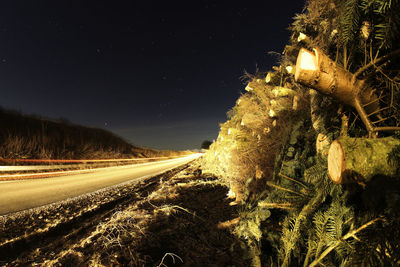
{"points": [[291, 212]]}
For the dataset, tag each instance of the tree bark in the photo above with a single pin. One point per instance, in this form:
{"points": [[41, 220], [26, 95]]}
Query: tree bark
{"points": [[360, 159], [318, 71], [329, 78]]}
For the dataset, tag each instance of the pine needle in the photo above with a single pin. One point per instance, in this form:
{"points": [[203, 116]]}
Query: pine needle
{"points": [[347, 236]]}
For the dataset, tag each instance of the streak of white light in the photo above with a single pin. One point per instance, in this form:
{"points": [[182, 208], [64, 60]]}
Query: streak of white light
{"points": [[81, 160], [90, 170], [35, 167]]}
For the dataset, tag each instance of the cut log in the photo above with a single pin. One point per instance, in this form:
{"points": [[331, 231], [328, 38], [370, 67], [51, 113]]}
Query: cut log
{"points": [[360, 159], [318, 71]]}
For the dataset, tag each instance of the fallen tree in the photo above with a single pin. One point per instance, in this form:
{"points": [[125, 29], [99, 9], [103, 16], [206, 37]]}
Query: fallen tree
{"points": [[360, 159], [318, 71]]}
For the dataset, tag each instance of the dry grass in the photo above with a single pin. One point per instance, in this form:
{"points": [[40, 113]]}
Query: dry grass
{"points": [[176, 222]]}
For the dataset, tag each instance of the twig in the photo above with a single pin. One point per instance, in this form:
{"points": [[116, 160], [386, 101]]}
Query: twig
{"points": [[373, 101], [377, 111], [284, 206], [172, 255], [284, 189], [386, 129], [293, 180], [176, 207], [374, 62], [354, 121], [345, 60], [381, 120], [364, 116]]}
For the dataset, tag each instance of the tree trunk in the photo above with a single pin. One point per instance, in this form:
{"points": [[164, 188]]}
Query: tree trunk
{"points": [[359, 159], [318, 71]]}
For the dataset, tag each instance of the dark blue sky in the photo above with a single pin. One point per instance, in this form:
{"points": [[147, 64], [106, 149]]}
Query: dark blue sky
{"points": [[161, 74]]}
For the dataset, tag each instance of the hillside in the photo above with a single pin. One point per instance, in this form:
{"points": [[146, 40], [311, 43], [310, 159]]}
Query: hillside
{"points": [[311, 151], [32, 137]]}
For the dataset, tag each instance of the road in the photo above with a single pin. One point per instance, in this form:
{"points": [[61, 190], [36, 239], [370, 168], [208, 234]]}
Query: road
{"points": [[20, 195]]}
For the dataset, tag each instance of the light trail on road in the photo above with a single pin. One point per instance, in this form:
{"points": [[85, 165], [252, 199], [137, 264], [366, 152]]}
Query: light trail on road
{"points": [[19, 195], [80, 160], [56, 167]]}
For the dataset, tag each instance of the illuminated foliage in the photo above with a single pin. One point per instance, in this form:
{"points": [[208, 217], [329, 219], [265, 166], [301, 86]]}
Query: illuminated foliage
{"points": [[272, 150]]}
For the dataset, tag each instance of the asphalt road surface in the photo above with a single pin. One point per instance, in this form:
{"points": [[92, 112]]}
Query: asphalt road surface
{"points": [[20, 195]]}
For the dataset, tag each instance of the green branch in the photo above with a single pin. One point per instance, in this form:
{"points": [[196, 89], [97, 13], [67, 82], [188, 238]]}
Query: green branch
{"points": [[347, 236]]}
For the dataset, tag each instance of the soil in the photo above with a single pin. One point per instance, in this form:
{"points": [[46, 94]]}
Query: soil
{"points": [[172, 219]]}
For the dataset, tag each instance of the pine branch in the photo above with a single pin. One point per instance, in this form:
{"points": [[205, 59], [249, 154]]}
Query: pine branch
{"points": [[347, 236], [375, 63], [295, 234], [349, 20]]}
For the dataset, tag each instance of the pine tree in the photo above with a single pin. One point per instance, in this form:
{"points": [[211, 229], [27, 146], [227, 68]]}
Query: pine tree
{"points": [[291, 212]]}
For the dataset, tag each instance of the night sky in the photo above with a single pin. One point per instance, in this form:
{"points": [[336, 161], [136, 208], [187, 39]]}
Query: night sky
{"points": [[160, 74]]}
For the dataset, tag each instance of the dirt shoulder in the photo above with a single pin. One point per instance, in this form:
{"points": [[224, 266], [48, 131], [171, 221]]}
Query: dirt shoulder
{"points": [[171, 219]]}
